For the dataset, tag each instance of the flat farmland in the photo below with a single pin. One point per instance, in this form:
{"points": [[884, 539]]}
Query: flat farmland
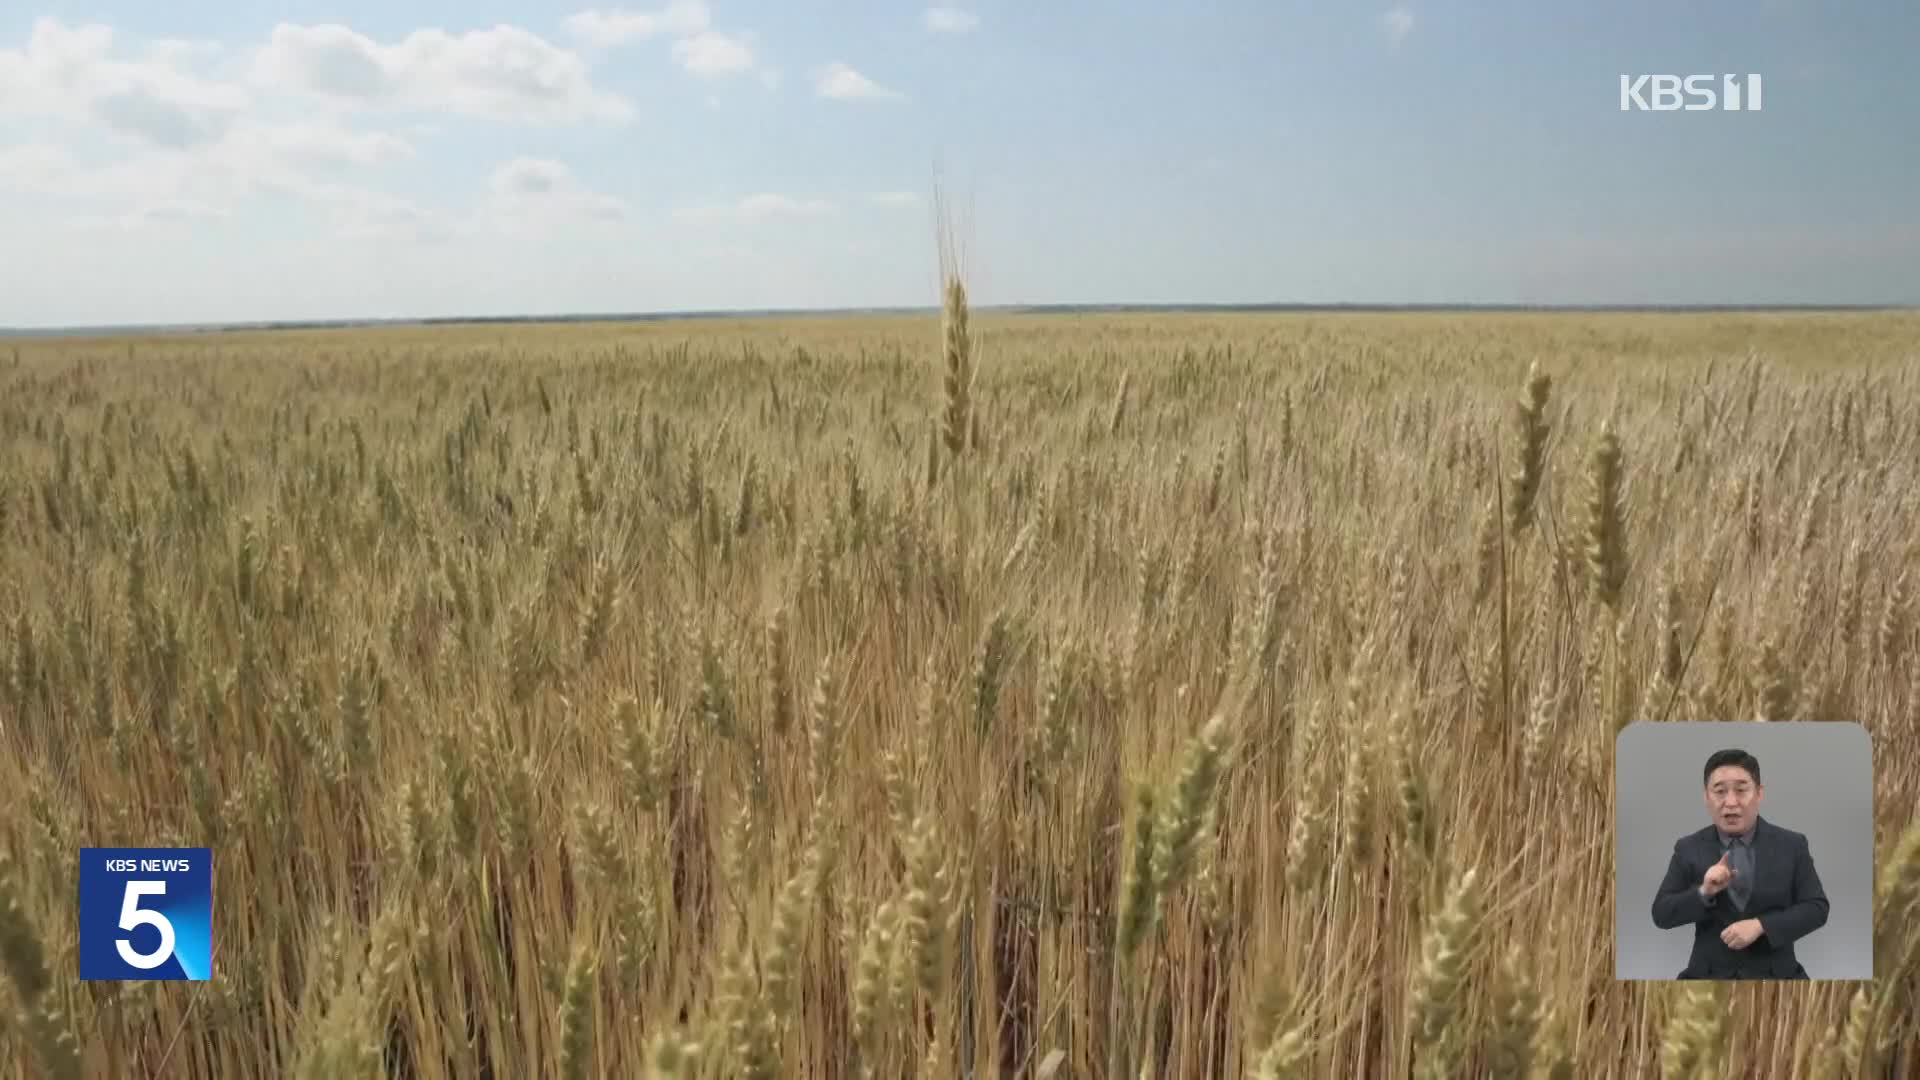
{"points": [[958, 694]]}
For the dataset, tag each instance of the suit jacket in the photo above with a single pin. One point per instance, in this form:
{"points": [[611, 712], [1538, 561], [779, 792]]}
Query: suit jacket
{"points": [[1787, 899]]}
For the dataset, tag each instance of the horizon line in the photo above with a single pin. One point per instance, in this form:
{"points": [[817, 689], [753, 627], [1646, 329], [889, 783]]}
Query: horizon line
{"points": [[693, 314]]}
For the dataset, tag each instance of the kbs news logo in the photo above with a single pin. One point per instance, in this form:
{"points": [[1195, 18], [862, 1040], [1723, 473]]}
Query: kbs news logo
{"points": [[146, 913], [1665, 93]]}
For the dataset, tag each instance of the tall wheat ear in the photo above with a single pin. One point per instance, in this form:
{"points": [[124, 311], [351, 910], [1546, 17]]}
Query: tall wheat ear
{"points": [[1440, 982], [956, 338]]}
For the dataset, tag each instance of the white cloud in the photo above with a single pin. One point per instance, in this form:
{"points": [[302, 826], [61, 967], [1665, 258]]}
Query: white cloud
{"points": [[697, 47], [947, 20], [841, 82], [1397, 23], [147, 116], [186, 129], [250, 161], [24, 165], [504, 73], [70, 73], [164, 212], [376, 215], [523, 195], [206, 183], [754, 209], [712, 53], [605, 29], [541, 188], [320, 143], [895, 198], [57, 64], [44, 169], [192, 148], [530, 176], [726, 252]]}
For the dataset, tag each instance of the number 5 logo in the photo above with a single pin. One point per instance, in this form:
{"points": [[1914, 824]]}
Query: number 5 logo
{"points": [[133, 915]]}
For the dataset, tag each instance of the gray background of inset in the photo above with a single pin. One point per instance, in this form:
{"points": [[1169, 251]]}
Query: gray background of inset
{"points": [[1819, 781]]}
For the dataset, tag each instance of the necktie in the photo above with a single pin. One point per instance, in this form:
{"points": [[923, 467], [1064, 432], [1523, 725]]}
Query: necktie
{"points": [[1742, 863]]}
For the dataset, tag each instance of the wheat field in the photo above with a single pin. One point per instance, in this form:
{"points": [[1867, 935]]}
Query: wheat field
{"points": [[962, 694]]}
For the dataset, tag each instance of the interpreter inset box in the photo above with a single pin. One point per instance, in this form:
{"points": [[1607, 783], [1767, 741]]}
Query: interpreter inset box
{"points": [[1743, 851]]}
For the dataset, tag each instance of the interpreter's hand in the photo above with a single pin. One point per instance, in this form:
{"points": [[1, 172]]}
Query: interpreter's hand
{"points": [[1719, 876], [1741, 934]]}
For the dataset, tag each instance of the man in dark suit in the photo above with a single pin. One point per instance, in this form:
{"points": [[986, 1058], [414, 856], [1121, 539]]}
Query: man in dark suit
{"points": [[1746, 885]]}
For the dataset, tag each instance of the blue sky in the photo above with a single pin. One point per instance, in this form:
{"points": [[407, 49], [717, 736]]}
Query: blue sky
{"points": [[197, 161]]}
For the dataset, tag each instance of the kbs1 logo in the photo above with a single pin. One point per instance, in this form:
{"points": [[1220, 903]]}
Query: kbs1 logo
{"points": [[146, 913], [1693, 93]]}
